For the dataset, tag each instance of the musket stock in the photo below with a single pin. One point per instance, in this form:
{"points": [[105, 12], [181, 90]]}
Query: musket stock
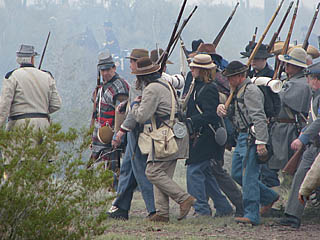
{"points": [[223, 29]]}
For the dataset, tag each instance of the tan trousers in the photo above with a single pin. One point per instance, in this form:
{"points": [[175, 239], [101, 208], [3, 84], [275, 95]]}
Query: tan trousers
{"points": [[160, 174]]}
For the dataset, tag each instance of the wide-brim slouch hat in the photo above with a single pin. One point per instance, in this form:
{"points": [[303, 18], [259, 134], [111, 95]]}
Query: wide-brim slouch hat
{"points": [[297, 56], [202, 61], [262, 52], [234, 68], [137, 53], [311, 50], [145, 66]]}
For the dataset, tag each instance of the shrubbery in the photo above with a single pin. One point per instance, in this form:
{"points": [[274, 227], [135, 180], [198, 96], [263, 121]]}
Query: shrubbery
{"points": [[49, 193]]}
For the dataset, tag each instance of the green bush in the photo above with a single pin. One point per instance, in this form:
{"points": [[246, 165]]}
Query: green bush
{"points": [[49, 193]]}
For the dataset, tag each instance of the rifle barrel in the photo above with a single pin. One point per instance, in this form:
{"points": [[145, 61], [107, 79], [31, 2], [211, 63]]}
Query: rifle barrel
{"points": [[223, 29], [305, 42], [286, 43], [162, 59], [276, 34], [44, 50]]}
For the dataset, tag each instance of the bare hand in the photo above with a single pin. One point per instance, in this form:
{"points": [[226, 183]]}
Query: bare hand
{"points": [[221, 110], [262, 150], [116, 143], [120, 106], [137, 99], [296, 144], [302, 198]]}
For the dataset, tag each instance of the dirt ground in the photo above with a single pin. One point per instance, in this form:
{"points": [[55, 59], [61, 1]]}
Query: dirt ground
{"points": [[208, 227]]}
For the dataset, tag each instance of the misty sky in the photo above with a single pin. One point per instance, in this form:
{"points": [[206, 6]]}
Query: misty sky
{"points": [[255, 3]]}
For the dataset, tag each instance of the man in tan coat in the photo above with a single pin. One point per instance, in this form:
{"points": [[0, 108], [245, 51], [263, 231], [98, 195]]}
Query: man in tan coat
{"points": [[28, 93]]}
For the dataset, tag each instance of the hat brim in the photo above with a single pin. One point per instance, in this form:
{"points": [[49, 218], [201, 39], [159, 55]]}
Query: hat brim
{"points": [[208, 66], [154, 69], [106, 66], [229, 74], [35, 54], [131, 57], [257, 56], [292, 61]]}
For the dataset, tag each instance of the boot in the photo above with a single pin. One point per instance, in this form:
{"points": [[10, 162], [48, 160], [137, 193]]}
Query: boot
{"points": [[185, 207]]}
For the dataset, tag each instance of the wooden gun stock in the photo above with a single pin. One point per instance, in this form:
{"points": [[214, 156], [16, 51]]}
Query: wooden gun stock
{"points": [[293, 163]]}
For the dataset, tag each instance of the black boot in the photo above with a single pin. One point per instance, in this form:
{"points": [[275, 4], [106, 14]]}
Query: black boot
{"points": [[290, 221], [118, 213]]}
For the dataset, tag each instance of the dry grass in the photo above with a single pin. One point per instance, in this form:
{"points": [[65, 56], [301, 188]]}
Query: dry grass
{"points": [[206, 227]]}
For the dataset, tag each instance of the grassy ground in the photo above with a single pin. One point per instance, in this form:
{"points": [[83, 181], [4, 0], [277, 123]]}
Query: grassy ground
{"points": [[207, 227]]}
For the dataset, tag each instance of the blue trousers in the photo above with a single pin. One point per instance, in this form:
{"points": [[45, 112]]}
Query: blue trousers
{"points": [[202, 184], [132, 174], [254, 192]]}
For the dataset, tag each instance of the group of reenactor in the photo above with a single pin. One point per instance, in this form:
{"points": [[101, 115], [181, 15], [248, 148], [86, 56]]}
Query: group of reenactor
{"points": [[162, 118]]}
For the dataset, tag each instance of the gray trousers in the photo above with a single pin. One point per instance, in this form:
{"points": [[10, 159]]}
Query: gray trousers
{"points": [[227, 185], [160, 174], [294, 207]]}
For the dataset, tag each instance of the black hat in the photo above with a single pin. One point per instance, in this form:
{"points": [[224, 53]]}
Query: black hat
{"points": [[234, 68], [262, 52]]}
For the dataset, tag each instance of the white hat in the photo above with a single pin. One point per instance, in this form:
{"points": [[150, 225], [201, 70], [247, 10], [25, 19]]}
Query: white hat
{"points": [[297, 57], [203, 61]]}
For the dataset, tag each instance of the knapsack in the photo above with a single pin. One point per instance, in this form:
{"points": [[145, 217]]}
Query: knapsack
{"points": [[272, 102]]}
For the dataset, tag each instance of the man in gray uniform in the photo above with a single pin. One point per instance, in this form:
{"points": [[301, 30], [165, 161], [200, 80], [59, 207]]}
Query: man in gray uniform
{"points": [[295, 100], [28, 93], [250, 120], [309, 137]]}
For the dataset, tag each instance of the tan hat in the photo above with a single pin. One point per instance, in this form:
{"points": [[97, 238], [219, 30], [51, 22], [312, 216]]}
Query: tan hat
{"points": [[277, 47], [202, 61], [145, 66], [105, 134], [137, 53], [311, 50], [155, 53], [297, 57]]}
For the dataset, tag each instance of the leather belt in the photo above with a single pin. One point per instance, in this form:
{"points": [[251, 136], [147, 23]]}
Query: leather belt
{"points": [[29, 115], [284, 120]]}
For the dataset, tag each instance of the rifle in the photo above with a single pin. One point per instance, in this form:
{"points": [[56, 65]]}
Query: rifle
{"points": [[95, 98], [163, 58], [276, 34], [253, 40], [44, 50], [306, 40], [223, 29], [293, 163], [277, 71], [177, 36], [255, 50]]}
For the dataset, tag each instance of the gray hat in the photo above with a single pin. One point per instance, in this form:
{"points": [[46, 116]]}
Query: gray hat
{"points": [[26, 51], [313, 69], [105, 61]]}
